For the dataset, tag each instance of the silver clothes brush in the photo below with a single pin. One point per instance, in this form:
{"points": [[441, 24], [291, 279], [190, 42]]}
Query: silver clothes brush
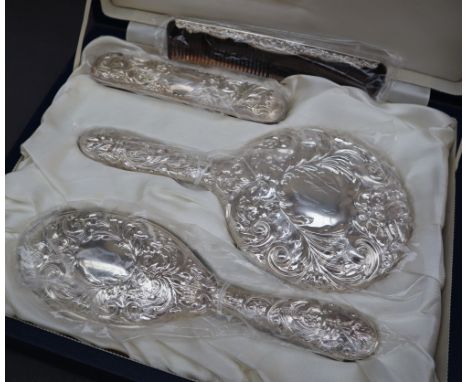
{"points": [[259, 100], [110, 267], [316, 209]]}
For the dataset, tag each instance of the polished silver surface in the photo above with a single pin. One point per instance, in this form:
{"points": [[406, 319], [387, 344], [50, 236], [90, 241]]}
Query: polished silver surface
{"points": [[274, 44], [317, 209], [106, 266], [259, 100]]}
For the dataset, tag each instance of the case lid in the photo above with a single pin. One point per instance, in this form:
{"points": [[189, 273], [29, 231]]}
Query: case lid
{"points": [[426, 35]]}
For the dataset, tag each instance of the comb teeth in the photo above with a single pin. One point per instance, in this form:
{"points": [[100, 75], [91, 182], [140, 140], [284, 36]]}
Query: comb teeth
{"points": [[204, 50], [247, 64]]}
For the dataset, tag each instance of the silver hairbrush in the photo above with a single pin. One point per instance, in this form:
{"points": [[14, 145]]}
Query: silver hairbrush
{"points": [[110, 267]]}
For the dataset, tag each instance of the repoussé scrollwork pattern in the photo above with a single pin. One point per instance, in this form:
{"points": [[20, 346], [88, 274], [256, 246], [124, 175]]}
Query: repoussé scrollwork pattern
{"points": [[109, 266], [314, 208], [260, 100], [118, 269]]}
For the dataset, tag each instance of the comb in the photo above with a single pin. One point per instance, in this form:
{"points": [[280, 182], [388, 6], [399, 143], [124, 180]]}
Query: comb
{"points": [[267, 56]]}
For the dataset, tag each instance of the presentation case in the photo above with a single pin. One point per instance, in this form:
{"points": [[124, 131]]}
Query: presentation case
{"points": [[430, 68]]}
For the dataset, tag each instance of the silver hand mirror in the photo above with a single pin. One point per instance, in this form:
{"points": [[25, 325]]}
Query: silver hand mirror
{"points": [[93, 264], [314, 208]]}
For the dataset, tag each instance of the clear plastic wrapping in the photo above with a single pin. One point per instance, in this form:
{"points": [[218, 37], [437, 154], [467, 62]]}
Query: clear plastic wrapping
{"points": [[215, 47], [278, 54], [245, 97], [358, 140], [107, 266], [315, 208]]}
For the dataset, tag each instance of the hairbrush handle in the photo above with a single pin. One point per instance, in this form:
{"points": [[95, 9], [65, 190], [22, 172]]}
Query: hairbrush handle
{"points": [[328, 329]]}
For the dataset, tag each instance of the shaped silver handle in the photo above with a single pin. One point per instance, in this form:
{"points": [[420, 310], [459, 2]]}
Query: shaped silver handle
{"points": [[110, 267], [331, 330], [129, 151]]}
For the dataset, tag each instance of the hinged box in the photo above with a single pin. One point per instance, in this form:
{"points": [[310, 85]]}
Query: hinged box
{"points": [[430, 61]]}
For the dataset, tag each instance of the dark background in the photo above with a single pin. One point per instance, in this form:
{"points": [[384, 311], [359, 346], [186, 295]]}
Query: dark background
{"points": [[41, 38]]}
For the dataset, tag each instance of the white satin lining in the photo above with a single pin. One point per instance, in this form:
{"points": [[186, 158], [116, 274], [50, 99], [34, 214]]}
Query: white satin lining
{"points": [[405, 305]]}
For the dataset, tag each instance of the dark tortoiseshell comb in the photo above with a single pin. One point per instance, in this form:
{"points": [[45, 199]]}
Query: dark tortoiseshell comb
{"points": [[268, 56]]}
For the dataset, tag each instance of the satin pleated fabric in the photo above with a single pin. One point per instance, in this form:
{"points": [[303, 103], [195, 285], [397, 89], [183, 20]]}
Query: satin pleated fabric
{"points": [[405, 305]]}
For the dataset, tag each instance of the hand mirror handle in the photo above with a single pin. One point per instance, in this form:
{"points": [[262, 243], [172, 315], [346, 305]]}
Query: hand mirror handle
{"points": [[131, 152]]}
